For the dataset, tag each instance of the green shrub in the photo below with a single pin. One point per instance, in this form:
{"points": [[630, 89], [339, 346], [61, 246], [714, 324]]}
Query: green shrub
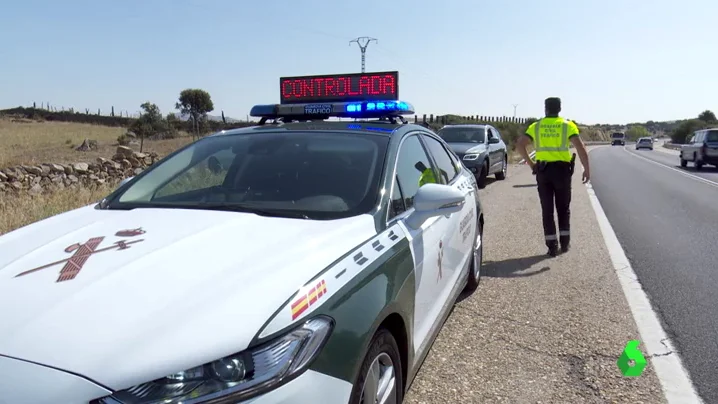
{"points": [[685, 129]]}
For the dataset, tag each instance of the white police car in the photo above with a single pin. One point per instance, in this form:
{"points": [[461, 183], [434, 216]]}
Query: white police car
{"points": [[299, 261]]}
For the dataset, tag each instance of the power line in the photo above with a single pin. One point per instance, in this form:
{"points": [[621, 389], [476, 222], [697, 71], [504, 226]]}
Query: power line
{"points": [[363, 42]]}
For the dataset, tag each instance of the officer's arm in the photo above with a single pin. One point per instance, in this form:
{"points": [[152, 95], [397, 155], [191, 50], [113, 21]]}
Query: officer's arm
{"points": [[580, 149], [522, 144]]}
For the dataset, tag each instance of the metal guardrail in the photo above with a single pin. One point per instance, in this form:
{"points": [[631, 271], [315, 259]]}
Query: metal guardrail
{"points": [[532, 154]]}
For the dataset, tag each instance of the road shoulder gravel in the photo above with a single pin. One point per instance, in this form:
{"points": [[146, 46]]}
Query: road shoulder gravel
{"points": [[538, 329]]}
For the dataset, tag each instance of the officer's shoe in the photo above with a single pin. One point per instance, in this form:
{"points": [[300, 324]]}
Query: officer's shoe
{"points": [[565, 241], [552, 250]]}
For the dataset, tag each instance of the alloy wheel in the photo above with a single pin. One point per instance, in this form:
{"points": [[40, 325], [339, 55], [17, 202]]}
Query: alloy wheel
{"points": [[380, 383], [478, 253]]}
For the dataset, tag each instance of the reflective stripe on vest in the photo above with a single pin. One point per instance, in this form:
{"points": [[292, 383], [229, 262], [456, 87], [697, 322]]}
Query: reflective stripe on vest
{"points": [[560, 153]]}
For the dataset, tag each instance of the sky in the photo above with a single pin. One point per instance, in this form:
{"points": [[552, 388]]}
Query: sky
{"points": [[610, 61]]}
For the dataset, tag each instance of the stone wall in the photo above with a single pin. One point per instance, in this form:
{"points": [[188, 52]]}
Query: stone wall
{"points": [[49, 177]]}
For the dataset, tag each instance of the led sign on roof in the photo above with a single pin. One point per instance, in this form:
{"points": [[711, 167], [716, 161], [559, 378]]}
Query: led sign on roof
{"points": [[340, 87]]}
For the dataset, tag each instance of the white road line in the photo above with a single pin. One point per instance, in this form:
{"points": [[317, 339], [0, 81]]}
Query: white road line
{"points": [[695, 177], [676, 383]]}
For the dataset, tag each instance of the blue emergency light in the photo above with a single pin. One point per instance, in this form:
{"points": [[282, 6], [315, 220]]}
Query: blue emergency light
{"points": [[401, 107], [359, 110]]}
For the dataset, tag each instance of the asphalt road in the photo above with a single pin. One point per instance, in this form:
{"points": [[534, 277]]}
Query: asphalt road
{"points": [[671, 158], [667, 223], [538, 329]]}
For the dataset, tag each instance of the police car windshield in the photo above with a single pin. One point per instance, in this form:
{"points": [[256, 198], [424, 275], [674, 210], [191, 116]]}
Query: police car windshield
{"points": [[285, 173], [462, 135]]}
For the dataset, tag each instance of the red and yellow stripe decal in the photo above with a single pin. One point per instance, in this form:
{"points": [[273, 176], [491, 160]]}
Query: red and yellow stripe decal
{"points": [[303, 302]]}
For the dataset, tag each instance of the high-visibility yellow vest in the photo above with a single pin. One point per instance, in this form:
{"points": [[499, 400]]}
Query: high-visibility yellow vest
{"points": [[427, 177], [550, 137]]}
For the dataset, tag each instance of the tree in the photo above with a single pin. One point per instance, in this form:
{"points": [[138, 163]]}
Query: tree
{"points": [[149, 123], [196, 103], [685, 129], [173, 124], [707, 116], [637, 131]]}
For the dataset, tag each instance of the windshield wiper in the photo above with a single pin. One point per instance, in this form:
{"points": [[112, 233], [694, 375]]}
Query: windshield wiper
{"points": [[229, 207], [251, 209]]}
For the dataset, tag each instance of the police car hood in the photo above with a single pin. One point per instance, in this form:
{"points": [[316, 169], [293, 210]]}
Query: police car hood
{"points": [[129, 296]]}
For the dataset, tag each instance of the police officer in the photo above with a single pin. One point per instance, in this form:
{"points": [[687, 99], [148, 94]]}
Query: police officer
{"points": [[427, 174], [553, 168]]}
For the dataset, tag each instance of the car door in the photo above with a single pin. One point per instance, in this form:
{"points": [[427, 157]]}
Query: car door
{"points": [[424, 242], [500, 149], [692, 149], [456, 250], [494, 148], [697, 144], [686, 153], [710, 140]]}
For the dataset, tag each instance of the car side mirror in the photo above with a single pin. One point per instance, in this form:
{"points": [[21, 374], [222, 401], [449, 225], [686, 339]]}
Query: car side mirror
{"points": [[125, 181], [493, 140], [433, 200]]}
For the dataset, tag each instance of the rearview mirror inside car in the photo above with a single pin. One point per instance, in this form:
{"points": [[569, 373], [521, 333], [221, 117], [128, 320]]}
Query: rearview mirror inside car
{"points": [[434, 200]]}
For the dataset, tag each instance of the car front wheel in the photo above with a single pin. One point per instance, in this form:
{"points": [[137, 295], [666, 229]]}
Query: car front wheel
{"points": [[380, 378], [483, 174], [477, 257], [501, 175]]}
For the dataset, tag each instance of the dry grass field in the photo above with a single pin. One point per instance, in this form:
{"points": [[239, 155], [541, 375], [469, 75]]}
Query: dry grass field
{"points": [[31, 142], [19, 211], [25, 142]]}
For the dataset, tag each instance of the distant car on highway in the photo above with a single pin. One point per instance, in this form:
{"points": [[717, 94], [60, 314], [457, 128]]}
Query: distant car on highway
{"points": [[644, 143], [480, 148], [618, 139], [701, 149]]}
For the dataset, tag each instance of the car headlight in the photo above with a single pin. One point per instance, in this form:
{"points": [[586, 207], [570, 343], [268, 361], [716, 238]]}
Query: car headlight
{"points": [[472, 156], [237, 376]]}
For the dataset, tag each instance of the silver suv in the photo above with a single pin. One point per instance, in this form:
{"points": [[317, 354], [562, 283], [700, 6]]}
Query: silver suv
{"points": [[701, 149], [644, 143], [480, 148]]}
